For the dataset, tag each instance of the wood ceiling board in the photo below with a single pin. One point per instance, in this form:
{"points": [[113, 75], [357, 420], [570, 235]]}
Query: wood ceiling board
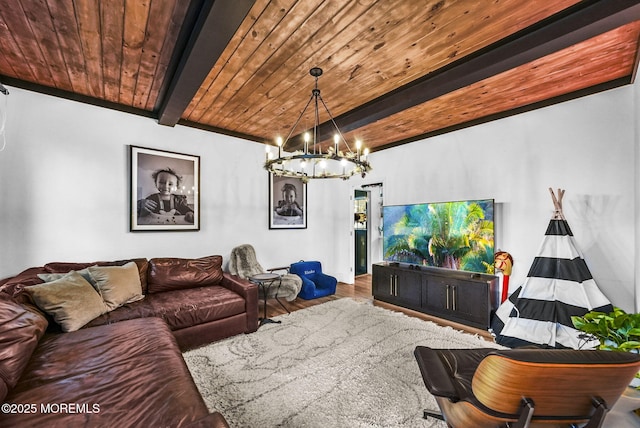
{"points": [[202, 100], [237, 56], [528, 46], [133, 37], [213, 31], [112, 19], [70, 46], [40, 23], [347, 53], [19, 30], [280, 47], [281, 86], [606, 58], [11, 59], [88, 19]]}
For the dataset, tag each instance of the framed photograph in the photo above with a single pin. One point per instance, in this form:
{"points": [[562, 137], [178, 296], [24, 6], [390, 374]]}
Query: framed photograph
{"points": [[287, 203], [165, 190]]}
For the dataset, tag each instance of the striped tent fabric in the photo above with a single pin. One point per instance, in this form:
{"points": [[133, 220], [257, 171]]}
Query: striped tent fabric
{"points": [[559, 285]]}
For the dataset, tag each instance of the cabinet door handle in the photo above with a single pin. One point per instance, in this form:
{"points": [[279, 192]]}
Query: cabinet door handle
{"points": [[395, 285], [454, 297], [391, 284], [448, 287]]}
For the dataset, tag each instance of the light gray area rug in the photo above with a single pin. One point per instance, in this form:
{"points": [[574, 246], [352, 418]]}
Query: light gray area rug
{"points": [[344, 363]]}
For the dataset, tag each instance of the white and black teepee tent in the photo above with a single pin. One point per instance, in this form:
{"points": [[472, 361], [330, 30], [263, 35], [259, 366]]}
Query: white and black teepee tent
{"points": [[558, 286]]}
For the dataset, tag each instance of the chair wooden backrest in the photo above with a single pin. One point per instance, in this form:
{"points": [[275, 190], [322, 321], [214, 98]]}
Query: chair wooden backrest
{"points": [[561, 383]]}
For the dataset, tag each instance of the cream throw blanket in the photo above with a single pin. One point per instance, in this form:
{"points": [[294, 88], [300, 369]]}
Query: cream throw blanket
{"points": [[243, 263]]}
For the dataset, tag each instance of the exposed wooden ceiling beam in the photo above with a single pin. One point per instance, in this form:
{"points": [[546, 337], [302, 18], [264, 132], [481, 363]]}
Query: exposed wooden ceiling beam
{"points": [[577, 24], [216, 25]]}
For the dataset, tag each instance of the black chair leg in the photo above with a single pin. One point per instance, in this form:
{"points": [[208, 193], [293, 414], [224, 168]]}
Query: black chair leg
{"points": [[526, 413], [597, 419], [427, 413]]}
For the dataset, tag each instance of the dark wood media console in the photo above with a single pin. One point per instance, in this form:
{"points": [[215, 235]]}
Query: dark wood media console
{"points": [[464, 297]]}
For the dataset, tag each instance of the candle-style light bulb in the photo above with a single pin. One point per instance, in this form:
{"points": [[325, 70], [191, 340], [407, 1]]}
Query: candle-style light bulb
{"points": [[336, 140], [267, 152], [358, 147], [279, 143], [344, 162], [307, 137]]}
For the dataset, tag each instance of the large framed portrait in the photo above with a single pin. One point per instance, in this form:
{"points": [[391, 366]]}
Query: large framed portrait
{"points": [[287, 203], [165, 190]]}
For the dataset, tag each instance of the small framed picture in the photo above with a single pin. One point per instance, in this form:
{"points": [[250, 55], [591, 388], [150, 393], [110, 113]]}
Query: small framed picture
{"points": [[165, 190], [287, 203]]}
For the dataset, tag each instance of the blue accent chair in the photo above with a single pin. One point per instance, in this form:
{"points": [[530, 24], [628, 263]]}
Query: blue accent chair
{"points": [[315, 284]]}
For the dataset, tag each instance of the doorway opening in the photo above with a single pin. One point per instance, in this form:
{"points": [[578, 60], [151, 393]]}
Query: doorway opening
{"points": [[361, 231], [367, 227]]}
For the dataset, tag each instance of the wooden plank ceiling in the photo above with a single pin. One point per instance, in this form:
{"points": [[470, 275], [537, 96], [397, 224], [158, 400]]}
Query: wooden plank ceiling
{"points": [[394, 71]]}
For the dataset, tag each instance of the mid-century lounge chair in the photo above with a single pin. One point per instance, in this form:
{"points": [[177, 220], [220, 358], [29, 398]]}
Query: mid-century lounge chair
{"points": [[524, 387]]}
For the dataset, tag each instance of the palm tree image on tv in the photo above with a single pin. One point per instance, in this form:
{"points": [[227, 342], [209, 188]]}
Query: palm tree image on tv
{"points": [[453, 235]]}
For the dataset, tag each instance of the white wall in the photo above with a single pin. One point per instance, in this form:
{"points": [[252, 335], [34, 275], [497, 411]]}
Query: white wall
{"points": [[64, 187], [586, 146], [636, 181], [64, 177]]}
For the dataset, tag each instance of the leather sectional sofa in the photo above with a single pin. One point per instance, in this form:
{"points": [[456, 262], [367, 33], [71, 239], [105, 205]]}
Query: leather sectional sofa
{"points": [[114, 360]]}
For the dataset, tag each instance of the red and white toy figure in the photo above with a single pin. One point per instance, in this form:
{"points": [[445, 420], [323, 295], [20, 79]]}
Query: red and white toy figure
{"points": [[503, 262]]}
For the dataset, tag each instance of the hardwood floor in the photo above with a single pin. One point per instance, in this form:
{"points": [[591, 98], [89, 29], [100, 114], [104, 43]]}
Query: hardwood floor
{"points": [[360, 290]]}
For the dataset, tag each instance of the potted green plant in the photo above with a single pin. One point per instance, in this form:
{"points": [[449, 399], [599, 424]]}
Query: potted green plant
{"points": [[616, 331]]}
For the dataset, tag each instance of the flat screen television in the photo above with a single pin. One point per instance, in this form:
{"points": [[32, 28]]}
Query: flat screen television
{"points": [[453, 235]]}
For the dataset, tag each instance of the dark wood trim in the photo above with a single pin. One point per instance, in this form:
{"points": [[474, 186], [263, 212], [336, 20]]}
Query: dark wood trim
{"points": [[54, 92], [222, 131], [546, 103], [576, 24], [216, 24]]}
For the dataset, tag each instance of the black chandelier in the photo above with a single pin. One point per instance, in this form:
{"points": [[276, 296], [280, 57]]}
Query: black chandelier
{"points": [[310, 162]]}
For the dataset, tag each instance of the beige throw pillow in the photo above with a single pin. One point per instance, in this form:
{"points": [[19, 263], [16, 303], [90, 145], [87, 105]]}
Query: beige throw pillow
{"points": [[70, 300], [118, 285]]}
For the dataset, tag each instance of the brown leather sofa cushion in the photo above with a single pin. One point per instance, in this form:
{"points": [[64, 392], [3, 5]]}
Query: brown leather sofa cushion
{"points": [[14, 286], [132, 370], [180, 308], [20, 331], [166, 274]]}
